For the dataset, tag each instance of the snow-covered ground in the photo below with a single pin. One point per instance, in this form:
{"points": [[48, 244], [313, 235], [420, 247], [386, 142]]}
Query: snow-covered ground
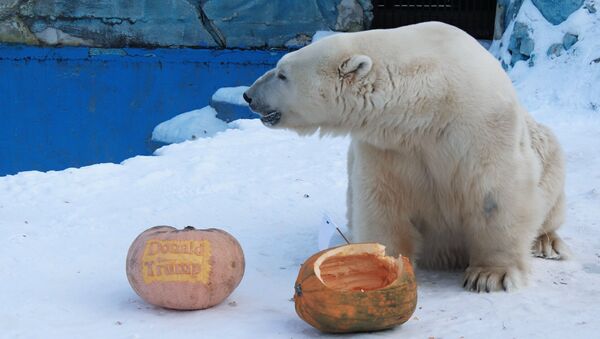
{"points": [[65, 234]]}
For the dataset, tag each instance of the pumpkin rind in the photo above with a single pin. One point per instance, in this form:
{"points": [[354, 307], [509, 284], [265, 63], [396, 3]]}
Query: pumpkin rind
{"points": [[341, 311], [185, 269]]}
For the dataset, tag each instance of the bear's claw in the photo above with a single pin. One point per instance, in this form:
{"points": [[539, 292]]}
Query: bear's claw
{"points": [[489, 279]]}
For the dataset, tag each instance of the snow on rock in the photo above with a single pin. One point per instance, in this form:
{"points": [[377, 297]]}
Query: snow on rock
{"points": [[568, 78], [233, 95], [531, 37], [323, 34], [200, 123]]}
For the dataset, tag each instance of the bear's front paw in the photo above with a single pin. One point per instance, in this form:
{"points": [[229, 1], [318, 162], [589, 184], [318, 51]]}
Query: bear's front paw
{"points": [[489, 279]]}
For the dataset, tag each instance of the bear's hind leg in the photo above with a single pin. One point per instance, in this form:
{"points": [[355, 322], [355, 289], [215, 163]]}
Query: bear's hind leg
{"points": [[548, 244]]}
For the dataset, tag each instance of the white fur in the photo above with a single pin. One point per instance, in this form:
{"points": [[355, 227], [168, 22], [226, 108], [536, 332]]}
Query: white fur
{"points": [[445, 165]]}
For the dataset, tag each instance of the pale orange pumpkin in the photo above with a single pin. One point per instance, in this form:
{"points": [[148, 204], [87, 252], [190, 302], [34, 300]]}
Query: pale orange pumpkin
{"points": [[185, 269], [355, 288]]}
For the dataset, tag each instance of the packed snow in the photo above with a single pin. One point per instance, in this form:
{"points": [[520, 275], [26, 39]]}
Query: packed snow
{"points": [[65, 234], [200, 123], [232, 95]]}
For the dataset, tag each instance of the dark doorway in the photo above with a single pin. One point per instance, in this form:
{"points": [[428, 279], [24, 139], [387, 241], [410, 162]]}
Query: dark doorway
{"points": [[476, 17]]}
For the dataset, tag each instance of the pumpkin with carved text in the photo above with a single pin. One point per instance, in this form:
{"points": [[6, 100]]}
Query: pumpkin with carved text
{"points": [[187, 269], [355, 288]]}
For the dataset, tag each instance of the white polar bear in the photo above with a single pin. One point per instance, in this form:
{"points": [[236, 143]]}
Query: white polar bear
{"points": [[445, 165]]}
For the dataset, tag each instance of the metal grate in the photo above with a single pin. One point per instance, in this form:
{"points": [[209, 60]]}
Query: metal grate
{"points": [[476, 17]]}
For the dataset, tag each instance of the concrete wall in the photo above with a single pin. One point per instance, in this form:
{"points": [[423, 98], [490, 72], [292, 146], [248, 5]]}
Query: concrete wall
{"points": [[182, 23], [74, 106]]}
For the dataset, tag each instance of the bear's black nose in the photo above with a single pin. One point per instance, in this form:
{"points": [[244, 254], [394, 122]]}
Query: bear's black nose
{"points": [[247, 98]]}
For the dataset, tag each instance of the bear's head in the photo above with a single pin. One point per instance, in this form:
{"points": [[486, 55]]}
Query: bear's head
{"points": [[314, 87]]}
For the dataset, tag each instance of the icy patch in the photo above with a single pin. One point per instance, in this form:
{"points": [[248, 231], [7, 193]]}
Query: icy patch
{"points": [[200, 123], [232, 95]]}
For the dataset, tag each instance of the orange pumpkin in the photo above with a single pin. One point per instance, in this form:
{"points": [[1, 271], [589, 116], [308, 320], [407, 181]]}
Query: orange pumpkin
{"points": [[185, 269], [355, 288]]}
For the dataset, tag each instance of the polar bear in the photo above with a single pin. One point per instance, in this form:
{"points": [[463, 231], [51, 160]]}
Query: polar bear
{"points": [[445, 165]]}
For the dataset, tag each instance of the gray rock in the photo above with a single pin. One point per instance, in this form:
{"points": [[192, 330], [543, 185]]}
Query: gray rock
{"points": [[350, 16], [8, 8], [526, 47], [245, 24], [508, 10], [119, 23], [557, 11], [569, 40], [521, 29], [516, 56], [367, 6], [520, 45], [514, 43], [265, 23], [13, 30], [187, 23], [299, 41], [591, 7], [555, 50]]}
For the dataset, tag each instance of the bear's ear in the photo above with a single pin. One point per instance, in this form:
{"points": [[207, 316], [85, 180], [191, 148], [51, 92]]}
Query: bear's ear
{"points": [[357, 66]]}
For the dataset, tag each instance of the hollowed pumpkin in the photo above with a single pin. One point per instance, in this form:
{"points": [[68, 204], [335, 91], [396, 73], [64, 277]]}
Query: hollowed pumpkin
{"points": [[355, 288]]}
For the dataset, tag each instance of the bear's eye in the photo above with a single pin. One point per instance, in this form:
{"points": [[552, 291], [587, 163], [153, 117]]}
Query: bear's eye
{"points": [[281, 76]]}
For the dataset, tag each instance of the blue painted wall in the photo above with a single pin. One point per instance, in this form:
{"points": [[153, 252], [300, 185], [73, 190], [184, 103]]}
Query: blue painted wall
{"points": [[70, 107]]}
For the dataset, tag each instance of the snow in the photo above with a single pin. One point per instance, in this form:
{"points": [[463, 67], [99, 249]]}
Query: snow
{"points": [[571, 79], [65, 234], [200, 123], [232, 95]]}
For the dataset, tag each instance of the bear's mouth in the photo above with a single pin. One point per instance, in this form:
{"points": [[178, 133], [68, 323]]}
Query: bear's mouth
{"points": [[271, 119]]}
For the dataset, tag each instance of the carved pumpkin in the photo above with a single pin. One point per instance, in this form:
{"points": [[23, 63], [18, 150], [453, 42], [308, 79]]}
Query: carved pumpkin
{"points": [[185, 269], [355, 288]]}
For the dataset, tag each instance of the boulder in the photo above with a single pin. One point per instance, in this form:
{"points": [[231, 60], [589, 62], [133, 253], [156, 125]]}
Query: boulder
{"points": [[557, 11], [569, 40], [555, 50], [507, 12], [521, 44]]}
